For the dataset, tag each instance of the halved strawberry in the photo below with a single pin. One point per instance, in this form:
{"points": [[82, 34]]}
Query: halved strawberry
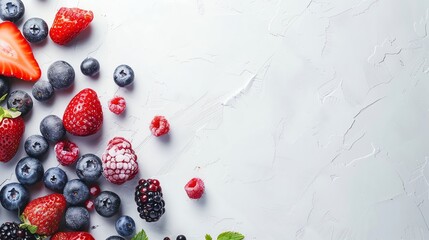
{"points": [[72, 236], [16, 57]]}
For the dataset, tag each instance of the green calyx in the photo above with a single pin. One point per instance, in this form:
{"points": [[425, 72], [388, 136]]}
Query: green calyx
{"points": [[9, 113]]}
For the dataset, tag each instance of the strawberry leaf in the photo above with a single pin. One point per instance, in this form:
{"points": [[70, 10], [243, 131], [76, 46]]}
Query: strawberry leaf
{"points": [[230, 236], [208, 237], [29, 227], [11, 113], [2, 98], [140, 236]]}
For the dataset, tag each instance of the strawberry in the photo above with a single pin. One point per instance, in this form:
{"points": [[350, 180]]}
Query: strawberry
{"points": [[83, 116], [43, 215], [11, 129], [72, 236], [68, 23], [16, 57]]}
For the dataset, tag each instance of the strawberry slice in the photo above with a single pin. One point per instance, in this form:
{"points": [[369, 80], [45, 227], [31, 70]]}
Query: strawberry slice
{"points": [[68, 23], [16, 57]]}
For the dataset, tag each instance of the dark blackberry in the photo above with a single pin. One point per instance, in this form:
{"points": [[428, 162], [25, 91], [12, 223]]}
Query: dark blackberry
{"points": [[11, 230], [148, 197]]}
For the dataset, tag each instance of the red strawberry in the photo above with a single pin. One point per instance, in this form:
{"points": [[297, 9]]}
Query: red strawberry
{"points": [[43, 215], [72, 236], [11, 129], [16, 57], [83, 116], [68, 23]]}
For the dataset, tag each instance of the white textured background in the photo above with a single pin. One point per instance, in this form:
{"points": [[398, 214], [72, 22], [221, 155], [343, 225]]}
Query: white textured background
{"points": [[307, 119]]}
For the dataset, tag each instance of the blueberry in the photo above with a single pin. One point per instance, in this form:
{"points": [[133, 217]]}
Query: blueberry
{"points": [[107, 203], [55, 179], [90, 67], [125, 226], [123, 75], [76, 192], [77, 218], [61, 74], [29, 171], [11, 10], [42, 91], [35, 30], [181, 237], [115, 238], [52, 128], [21, 101], [14, 196], [36, 146], [4, 87], [89, 168]]}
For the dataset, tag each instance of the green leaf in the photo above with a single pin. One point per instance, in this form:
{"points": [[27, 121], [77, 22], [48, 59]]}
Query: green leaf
{"points": [[140, 236], [29, 227], [11, 113], [2, 98], [208, 237], [230, 236]]}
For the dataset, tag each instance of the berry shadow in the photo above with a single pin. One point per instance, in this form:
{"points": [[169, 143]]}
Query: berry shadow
{"points": [[165, 139], [202, 202], [39, 45]]}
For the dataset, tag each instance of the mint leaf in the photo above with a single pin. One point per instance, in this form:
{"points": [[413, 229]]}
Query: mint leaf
{"points": [[208, 237], [2, 98], [230, 236], [140, 236]]}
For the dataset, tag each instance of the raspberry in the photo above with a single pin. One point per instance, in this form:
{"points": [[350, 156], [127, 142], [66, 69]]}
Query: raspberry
{"points": [[67, 152], [119, 161], [117, 105], [89, 205], [159, 126], [149, 200], [195, 188], [11, 230]]}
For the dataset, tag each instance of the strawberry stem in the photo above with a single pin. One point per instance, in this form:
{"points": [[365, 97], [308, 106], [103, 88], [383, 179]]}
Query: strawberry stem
{"points": [[9, 113]]}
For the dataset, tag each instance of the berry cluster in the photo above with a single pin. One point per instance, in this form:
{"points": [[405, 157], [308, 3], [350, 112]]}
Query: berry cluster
{"points": [[149, 200]]}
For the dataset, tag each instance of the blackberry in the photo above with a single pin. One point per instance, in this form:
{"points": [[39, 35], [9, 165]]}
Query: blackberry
{"points": [[148, 197], [11, 230]]}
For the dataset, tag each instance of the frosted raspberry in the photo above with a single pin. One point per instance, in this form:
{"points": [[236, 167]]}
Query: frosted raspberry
{"points": [[67, 152], [119, 161], [159, 126], [117, 105], [195, 188]]}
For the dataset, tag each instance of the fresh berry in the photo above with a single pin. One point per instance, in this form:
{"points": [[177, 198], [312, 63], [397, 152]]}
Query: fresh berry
{"points": [[115, 238], [4, 88], [11, 129], [89, 168], [117, 105], [20, 101], [14, 196], [12, 231], [123, 75], [29, 171], [83, 115], [107, 203], [181, 237], [11, 10], [68, 23], [89, 205], [72, 236], [90, 67], [195, 188], [119, 161], [77, 218], [159, 126], [17, 57], [44, 214], [42, 91], [52, 128], [149, 200], [94, 190], [35, 30], [67, 152], [36, 146], [125, 226], [76, 192], [61, 74], [55, 179]]}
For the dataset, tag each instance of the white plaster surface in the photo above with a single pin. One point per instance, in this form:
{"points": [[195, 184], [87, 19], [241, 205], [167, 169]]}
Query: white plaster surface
{"points": [[307, 119]]}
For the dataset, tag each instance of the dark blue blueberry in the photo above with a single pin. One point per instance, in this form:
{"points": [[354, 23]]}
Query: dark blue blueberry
{"points": [[4, 87], [61, 74], [89, 168], [181, 237], [90, 67], [76, 192], [36, 146], [35, 30], [77, 218], [55, 179], [125, 226], [42, 91], [52, 128], [107, 203], [14, 196], [123, 75], [29, 171], [11, 10], [115, 238], [21, 101]]}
